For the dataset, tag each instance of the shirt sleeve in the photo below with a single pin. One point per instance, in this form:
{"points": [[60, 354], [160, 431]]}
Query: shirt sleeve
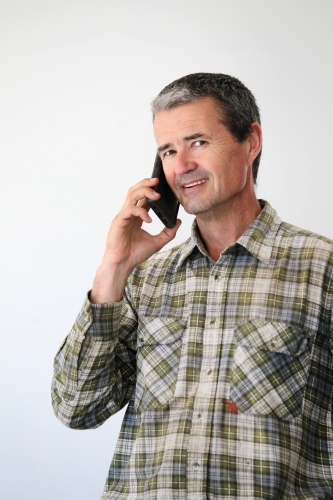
{"points": [[95, 367]]}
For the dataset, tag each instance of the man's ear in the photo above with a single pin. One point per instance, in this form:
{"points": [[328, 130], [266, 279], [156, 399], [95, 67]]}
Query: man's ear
{"points": [[255, 142]]}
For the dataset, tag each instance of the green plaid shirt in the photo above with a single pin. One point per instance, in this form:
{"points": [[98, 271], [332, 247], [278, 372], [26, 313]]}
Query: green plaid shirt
{"points": [[226, 366]]}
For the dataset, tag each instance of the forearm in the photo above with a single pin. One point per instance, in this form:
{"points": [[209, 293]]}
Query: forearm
{"points": [[93, 382], [109, 283]]}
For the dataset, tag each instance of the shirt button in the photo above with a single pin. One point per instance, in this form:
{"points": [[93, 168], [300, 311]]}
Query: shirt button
{"points": [[196, 466], [212, 321], [217, 277], [200, 416], [210, 371]]}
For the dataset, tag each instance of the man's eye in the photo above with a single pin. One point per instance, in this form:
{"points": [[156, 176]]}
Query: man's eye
{"points": [[170, 152], [199, 143]]}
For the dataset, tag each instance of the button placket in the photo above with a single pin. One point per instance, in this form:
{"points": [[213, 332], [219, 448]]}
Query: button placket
{"points": [[199, 440]]}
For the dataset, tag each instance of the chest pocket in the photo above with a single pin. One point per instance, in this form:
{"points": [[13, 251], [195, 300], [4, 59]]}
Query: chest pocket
{"points": [[270, 369], [158, 356]]}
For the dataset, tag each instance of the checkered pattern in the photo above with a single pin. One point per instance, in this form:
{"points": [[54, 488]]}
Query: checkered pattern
{"points": [[226, 367]]}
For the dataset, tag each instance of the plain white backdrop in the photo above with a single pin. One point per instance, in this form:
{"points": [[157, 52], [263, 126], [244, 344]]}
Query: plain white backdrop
{"points": [[77, 81]]}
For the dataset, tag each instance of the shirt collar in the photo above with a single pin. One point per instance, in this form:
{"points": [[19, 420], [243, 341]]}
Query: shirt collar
{"points": [[258, 239]]}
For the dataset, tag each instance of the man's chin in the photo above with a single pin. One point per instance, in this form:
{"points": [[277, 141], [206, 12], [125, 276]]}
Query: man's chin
{"points": [[194, 209], [189, 209]]}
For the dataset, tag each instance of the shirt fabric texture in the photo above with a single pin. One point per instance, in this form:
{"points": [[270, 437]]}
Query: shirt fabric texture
{"points": [[226, 367]]}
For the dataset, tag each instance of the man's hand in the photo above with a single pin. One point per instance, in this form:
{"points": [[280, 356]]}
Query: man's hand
{"points": [[128, 244]]}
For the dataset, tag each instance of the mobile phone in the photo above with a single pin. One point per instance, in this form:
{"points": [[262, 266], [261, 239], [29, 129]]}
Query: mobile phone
{"points": [[167, 206]]}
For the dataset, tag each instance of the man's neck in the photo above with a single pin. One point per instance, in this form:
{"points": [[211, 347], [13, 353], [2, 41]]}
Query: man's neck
{"points": [[220, 231]]}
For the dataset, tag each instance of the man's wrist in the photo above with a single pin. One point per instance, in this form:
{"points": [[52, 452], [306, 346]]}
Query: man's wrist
{"points": [[109, 285]]}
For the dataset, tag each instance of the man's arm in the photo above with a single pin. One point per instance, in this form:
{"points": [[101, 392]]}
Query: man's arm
{"points": [[95, 368]]}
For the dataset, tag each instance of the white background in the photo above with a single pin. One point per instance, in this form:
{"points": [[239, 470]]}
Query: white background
{"points": [[76, 85]]}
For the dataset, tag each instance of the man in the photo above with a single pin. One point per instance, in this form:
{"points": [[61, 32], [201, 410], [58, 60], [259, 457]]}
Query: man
{"points": [[222, 346]]}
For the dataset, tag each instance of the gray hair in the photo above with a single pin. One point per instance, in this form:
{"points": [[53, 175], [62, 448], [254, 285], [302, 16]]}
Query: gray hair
{"points": [[238, 106]]}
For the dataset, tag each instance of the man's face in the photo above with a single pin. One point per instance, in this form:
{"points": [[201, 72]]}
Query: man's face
{"points": [[204, 165]]}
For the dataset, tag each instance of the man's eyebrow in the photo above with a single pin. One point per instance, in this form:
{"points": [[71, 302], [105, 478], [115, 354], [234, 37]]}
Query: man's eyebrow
{"points": [[193, 136], [187, 138], [163, 148]]}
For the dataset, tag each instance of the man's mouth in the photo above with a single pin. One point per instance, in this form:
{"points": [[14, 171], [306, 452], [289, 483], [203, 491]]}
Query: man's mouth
{"points": [[192, 184]]}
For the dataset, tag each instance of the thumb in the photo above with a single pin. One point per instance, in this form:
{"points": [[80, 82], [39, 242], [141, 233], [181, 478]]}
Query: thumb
{"points": [[167, 235]]}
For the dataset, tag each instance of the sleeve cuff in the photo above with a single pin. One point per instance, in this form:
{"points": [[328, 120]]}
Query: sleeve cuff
{"points": [[99, 320]]}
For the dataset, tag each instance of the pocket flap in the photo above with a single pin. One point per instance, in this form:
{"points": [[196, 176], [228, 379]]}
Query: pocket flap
{"points": [[272, 336], [159, 330]]}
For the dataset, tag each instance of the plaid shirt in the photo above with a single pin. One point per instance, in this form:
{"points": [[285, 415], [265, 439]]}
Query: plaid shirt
{"points": [[226, 366]]}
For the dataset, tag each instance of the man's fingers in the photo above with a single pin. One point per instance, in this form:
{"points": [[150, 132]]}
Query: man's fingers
{"points": [[139, 211], [141, 191], [143, 203]]}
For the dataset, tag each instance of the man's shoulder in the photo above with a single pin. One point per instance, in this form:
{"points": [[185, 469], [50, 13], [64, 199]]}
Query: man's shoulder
{"points": [[273, 227], [290, 235], [288, 230]]}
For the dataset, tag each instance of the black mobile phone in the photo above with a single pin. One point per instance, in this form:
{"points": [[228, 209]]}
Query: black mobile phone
{"points": [[167, 206]]}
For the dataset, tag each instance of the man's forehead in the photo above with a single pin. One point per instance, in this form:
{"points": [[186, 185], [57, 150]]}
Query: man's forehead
{"points": [[187, 121]]}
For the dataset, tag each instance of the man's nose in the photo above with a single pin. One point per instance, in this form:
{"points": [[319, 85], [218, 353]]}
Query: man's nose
{"points": [[183, 163]]}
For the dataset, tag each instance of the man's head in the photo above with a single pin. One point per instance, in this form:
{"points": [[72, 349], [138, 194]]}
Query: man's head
{"points": [[238, 106]]}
